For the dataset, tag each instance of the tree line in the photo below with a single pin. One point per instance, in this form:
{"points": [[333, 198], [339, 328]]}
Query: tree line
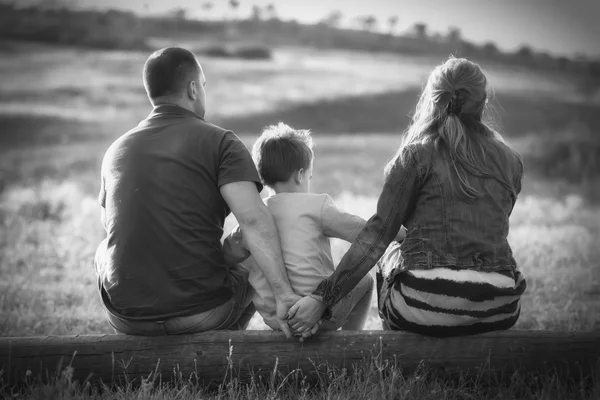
{"points": [[57, 21]]}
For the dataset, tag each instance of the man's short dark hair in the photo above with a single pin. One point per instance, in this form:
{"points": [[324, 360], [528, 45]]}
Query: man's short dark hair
{"points": [[280, 151], [168, 70]]}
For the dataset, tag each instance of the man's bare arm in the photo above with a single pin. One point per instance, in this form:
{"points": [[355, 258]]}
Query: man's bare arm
{"points": [[259, 231], [340, 224], [262, 239]]}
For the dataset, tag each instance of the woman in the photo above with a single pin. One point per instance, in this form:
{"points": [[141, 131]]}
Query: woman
{"points": [[453, 184]]}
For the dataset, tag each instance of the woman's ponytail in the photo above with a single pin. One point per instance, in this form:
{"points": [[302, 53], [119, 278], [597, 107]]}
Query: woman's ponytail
{"points": [[449, 115], [453, 134]]}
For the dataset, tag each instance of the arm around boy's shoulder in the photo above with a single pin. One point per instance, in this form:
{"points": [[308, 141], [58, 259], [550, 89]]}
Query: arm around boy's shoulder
{"points": [[339, 223]]}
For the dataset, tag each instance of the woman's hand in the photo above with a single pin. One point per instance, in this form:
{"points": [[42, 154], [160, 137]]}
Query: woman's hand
{"points": [[310, 332], [305, 314], [283, 304]]}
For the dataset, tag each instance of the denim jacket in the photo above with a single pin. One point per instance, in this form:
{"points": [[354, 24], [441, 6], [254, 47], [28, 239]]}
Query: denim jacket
{"points": [[443, 229]]}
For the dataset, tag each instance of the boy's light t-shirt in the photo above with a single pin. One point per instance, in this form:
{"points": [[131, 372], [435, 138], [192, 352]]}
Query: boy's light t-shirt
{"points": [[305, 222]]}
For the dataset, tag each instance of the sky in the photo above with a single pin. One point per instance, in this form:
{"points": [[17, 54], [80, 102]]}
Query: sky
{"points": [[561, 27]]}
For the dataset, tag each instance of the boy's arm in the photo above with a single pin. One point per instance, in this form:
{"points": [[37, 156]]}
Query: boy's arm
{"points": [[338, 223], [235, 249]]}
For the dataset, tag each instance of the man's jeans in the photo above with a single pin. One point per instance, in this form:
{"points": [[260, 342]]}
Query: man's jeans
{"points": [[234, 314]]}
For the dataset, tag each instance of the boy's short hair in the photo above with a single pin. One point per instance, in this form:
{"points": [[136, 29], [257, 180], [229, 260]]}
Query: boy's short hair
{"points": [[280, 151]]}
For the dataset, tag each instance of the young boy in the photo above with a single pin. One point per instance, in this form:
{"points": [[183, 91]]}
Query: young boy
{"points": [[305, 222]]}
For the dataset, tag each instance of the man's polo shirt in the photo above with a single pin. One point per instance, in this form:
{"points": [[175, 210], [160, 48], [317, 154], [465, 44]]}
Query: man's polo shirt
{"points": [[164, 215]]}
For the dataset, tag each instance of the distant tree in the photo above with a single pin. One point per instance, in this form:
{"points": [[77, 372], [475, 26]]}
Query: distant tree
{"points": [[564, 63], [392, 23], [207, 7], [420, 30], [545, 58], [256, 13], [271, 11], [40, 4], [454, 35], [490, 49], [369, 22], [469, 49], [58, 3], [583, 65], [594, 68], [234, 4], [437, 37], [10, 4], [581, 58], [525, 54], [333, 19], [178, 13]]}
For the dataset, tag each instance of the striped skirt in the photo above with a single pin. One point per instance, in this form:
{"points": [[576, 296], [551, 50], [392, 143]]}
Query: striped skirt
{"points": [[445, 301]]}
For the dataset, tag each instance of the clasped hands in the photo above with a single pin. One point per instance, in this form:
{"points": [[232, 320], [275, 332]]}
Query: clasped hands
{"points": [[302, 318]]}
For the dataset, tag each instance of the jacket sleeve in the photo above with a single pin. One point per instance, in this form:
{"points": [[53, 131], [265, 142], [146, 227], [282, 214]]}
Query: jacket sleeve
{"points": [[396, 202]]}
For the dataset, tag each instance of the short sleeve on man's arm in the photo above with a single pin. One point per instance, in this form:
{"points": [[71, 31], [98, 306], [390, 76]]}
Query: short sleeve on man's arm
{"points": [[235, 162]]}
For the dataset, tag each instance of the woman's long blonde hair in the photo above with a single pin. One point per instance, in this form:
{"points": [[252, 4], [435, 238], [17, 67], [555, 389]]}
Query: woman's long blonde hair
{"points": [[449, 114]]}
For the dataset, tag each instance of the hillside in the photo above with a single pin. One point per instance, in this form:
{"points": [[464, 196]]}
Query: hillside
{"points": [[126, 30]]}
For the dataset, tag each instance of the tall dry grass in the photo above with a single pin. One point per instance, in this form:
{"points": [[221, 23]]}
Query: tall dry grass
{"points": [[50, 229]]}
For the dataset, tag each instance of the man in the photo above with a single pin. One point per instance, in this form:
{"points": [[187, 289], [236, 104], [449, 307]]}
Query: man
{"points": [[167, 186]]}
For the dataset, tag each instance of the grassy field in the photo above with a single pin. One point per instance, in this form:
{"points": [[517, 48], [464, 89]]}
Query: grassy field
{"points": [[50, 230], [61, 108]]}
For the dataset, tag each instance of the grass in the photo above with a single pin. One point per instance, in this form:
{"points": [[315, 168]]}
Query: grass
{"points": [[374, 378], [46, 260], [53, 140]]}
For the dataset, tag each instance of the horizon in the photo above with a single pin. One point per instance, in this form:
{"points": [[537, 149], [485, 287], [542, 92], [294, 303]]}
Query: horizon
{"points": [[557, 27]]}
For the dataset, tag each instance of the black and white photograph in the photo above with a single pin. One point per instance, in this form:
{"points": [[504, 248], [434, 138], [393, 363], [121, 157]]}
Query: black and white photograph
{"points": [[284, 199]]}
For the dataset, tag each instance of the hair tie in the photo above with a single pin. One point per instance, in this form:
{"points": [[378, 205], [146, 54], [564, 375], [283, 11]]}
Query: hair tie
{"points": [[455, 104]]}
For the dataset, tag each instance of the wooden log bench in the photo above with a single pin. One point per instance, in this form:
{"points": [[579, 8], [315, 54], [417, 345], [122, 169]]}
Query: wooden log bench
{"points": [[109, 357]]}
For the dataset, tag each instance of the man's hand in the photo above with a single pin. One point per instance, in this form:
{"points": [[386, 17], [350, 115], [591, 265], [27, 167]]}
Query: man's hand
{"points": [[305, 314], [282, 305]]}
